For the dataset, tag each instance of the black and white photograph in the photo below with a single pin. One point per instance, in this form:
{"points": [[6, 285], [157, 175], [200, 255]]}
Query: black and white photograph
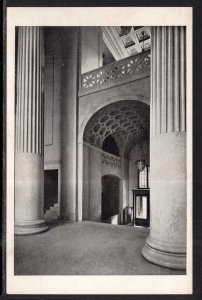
{"points": [[100, 155]]}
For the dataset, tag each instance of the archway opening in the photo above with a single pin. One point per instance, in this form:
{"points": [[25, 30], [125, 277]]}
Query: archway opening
{"points": [[109, 138], [110, 197], [109, 145]]}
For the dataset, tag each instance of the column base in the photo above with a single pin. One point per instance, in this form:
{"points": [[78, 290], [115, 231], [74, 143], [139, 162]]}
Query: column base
{"points": [[170, 260], [30, 227]]}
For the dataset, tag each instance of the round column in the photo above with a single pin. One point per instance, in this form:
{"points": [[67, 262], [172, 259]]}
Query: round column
{"points": [[29, 160], [166, 245], [69, 118]]}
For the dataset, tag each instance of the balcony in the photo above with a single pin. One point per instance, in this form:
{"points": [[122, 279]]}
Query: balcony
{"points": [[111, 160], [126, 70]]}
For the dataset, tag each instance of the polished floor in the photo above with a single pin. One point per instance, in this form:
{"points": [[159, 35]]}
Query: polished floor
{"points": [[85, 248]]}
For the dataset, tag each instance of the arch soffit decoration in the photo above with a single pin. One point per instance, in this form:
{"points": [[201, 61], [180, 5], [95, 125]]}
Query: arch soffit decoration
{"points": [[122, 120], [108, 101]]}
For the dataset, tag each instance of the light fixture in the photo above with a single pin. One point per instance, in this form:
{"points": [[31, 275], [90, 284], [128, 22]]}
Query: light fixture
{"points": [[141, 161], [125, 30]]}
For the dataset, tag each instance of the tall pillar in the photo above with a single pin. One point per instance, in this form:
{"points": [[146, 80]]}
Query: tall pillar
{"points": [[29, 160], [95, 184], [69, 120], [125, 182], [166, 245]]}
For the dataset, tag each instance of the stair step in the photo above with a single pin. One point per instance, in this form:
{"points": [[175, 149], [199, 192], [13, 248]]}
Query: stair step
{"points": [[51, 214], [50, 218], [51, 211]]}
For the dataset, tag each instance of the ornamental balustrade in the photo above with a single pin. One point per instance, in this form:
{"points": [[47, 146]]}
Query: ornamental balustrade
{"points": [[111, 160], [117, 71]]}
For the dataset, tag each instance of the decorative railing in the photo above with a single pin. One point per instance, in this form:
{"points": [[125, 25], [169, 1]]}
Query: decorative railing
{"points": [[114, 72], [111, 161]]}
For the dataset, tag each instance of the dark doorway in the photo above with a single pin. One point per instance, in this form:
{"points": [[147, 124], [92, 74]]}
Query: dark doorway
{"points": [[50, 188], [110, 196]]}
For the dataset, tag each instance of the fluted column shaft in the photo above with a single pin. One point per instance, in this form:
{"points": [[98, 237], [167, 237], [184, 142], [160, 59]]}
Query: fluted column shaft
{"points": [[168, 80], [166, 245], [29, 162]]}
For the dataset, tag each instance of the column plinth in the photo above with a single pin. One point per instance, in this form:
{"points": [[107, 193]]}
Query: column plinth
{"points": [[29, 160], [166, 245]]}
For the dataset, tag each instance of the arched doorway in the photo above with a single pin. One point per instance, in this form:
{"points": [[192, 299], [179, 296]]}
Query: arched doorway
{"points": [[110, 197], [108, 139]]}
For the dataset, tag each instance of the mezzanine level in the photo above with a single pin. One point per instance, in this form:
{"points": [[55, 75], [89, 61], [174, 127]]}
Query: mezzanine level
{"points": [[126, 70]]}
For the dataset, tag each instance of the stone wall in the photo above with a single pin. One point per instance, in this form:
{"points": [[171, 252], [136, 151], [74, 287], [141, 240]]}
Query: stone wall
{"points": [[52, 95]]}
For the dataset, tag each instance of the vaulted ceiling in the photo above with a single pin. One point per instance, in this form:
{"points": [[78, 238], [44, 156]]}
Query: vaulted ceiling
{"points": [[127, 121]]}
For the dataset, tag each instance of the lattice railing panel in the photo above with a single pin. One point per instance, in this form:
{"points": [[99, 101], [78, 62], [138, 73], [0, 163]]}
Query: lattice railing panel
{"points": [[111, 161], [119, 70]]}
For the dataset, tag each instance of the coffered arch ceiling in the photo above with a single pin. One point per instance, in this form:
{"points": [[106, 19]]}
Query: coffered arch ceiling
{"points": [[127, 121]]}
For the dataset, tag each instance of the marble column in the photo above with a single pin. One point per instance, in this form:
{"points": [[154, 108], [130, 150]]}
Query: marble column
{"points": [[166, 244], [29, 159], [69, 119]]}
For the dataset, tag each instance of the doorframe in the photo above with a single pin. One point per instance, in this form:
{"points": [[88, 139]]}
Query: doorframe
{"points": [[56, 166], [120, 191]]}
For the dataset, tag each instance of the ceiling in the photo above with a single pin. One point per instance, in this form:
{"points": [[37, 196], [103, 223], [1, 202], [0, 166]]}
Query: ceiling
{"points": [[124, 41], [127, 121]]}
